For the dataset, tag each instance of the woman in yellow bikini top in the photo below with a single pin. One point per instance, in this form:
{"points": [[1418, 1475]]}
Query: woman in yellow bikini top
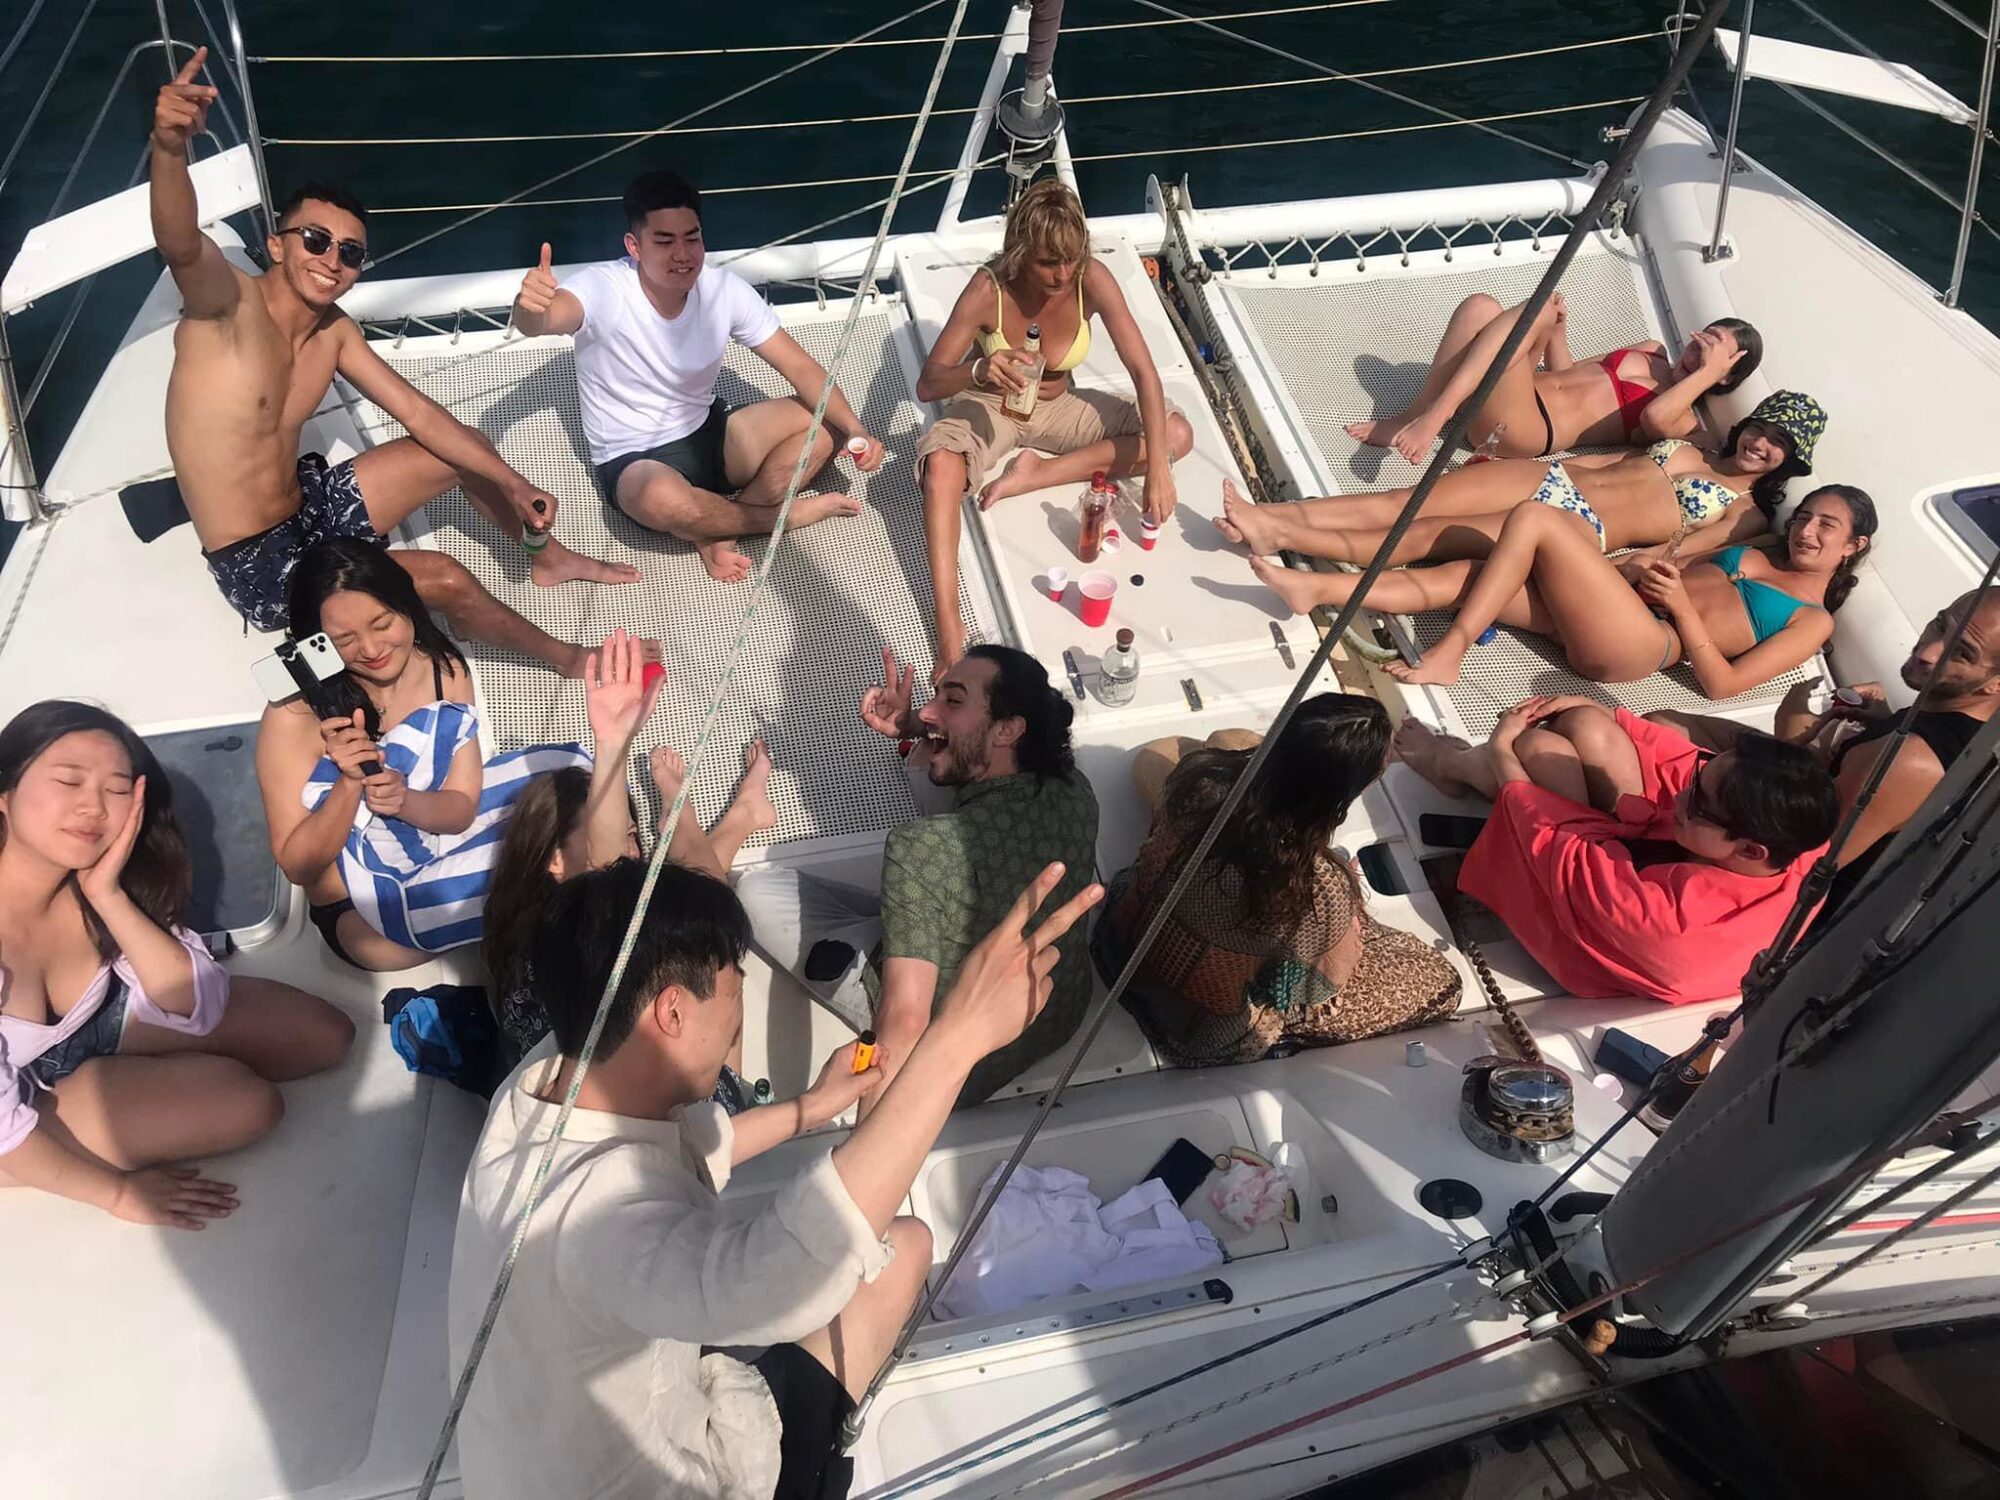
{"points": [[1044, 276]]}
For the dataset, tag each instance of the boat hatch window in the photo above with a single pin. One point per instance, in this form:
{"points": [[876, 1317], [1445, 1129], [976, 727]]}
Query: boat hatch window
{"points": [[1974, 513]]}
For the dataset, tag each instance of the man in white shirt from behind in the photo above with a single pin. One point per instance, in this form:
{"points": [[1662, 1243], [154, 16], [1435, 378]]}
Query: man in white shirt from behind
{"points": [[651, 331], [605, 1375]]}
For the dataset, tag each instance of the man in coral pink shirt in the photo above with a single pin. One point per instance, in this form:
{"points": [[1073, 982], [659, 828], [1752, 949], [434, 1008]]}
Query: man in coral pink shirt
{"points": [[1626, 860]]}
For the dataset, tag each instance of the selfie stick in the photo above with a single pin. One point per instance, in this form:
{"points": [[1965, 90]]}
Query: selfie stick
{"points": [[308, 681]]}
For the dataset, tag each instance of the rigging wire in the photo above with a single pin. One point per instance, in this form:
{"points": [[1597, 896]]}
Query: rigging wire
{"points": [[1159, 151], [1600, 199], [1258, 14], [1565, 1318], [546, 1162], [1854, 1263], [1383, 89], [624, 146], [1105, 1409], [1080, 101]]}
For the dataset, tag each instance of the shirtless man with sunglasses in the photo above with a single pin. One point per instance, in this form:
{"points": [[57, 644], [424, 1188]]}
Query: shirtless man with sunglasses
{"points": [[254, 356]]}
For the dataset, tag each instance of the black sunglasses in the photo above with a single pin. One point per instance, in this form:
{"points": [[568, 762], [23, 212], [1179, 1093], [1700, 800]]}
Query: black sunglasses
{"points": [[353, 254], [1699, 809]]}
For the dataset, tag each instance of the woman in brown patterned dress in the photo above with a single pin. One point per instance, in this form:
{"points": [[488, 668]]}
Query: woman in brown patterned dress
{"points": [[1273, 941]]}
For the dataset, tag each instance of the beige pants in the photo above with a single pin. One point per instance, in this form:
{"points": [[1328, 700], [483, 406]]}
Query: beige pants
{"points": [[975, 428], [1154, 761]]}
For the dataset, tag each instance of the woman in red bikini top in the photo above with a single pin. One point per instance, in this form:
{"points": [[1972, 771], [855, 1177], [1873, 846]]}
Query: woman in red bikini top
{"points": [[1549, 402]]}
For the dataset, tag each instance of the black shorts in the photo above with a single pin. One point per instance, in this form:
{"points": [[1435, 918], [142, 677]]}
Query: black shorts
{"points": [[255, 573], [697, 458], [812, 1405], [99, 1036]]}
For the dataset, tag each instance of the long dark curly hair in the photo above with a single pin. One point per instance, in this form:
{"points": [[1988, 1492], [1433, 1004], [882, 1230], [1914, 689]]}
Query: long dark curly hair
{"points": [[343, 564], [1326, 757], [159, 875], [1767, 490]]}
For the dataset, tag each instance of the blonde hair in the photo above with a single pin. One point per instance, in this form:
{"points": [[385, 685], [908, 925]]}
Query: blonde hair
{"points": [[1046, 220]]}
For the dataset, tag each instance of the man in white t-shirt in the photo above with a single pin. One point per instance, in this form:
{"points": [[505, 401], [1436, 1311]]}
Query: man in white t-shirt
{"points": [[624, 1359], [651, 330]]}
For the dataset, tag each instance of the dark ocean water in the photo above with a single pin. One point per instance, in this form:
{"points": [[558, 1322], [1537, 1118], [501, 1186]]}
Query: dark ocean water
{"points": [[302, 102]]}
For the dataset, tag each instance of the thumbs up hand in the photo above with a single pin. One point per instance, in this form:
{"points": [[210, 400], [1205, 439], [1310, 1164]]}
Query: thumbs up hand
{"points": [[538, 287]]}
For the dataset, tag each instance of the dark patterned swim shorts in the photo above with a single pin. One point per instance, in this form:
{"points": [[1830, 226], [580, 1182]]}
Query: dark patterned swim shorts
{"points": [[253, 574]]}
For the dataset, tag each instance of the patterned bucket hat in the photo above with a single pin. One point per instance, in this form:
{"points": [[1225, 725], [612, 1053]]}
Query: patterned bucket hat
{"points": [[1798, 417]]}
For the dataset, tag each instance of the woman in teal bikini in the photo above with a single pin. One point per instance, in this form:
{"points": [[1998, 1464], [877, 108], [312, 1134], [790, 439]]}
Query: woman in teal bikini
{"points": [[1738, 618], [1709, 500]]}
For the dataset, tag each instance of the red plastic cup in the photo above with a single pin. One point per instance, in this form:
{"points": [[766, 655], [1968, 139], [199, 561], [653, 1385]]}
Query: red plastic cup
{"points": [[1149, 534], [1056, 581], [1094, 592], [651, 673]]}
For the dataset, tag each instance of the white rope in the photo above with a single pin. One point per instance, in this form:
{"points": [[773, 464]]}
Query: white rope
{"points": [[604, 156], [707, 192], [906, 41], [616, 978], [1356, 135], [1069, 103]]}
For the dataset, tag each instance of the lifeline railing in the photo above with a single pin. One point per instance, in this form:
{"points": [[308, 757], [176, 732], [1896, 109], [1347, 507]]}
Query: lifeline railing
{"points": [[1965, 202]]}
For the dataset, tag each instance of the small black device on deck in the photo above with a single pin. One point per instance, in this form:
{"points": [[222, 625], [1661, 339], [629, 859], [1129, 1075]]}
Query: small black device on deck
{"points": [[1625, 1056], [1184, 1168]]}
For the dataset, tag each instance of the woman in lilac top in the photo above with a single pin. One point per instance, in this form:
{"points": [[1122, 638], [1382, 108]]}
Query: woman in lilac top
{"points": [[124, 1047]]}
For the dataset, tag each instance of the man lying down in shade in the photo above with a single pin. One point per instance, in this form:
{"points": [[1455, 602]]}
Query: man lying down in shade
{"points": [[649, 1343]]}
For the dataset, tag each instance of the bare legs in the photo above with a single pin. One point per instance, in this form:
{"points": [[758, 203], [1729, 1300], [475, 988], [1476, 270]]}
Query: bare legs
{"points": [[761, 446], [1607, 633], [1471, 339], [944, 479], [1580, 754], [1117, 457], [854, 1344], [1350, 528], [1403, 591], [750, 811], [446, 586], [401, 477]]}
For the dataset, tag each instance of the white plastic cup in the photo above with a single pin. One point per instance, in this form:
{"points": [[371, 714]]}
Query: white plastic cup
{"points": [[1149, 534], [1056, 580], [857, 448]]}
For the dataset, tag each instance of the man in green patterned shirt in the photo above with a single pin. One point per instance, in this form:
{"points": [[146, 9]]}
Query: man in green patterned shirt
{"points": [[997, 734]]}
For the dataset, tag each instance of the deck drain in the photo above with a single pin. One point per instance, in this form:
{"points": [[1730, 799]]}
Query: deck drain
{"points": [[1449, 1198]]}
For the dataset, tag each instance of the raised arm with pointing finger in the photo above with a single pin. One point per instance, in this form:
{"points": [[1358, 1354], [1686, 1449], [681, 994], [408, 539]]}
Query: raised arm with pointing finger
{"points": [[209, 286]]}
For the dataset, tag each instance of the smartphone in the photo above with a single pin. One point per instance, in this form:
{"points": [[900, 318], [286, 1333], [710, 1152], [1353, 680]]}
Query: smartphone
{"points": [[1184, 1168], [314, 655], [1448, 830]]}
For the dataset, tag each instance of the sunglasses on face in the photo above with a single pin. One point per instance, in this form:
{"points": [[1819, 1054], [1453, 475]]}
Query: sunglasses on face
{"points": [[1699, 808], [353, 254]]}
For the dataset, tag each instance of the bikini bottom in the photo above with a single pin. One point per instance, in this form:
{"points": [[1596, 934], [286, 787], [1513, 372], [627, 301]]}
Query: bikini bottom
{"points": [[1559, 490]]}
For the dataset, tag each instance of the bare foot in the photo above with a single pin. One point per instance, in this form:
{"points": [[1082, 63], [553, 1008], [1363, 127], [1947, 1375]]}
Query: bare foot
{"points": [[1379, 432], [753, 793], [1425, 751], [809, 508], [1438, 666], [556, 564], [1416, 437], [1017, 478], [1299, 590], [1247, 523], [724, 560], [669, 773]]}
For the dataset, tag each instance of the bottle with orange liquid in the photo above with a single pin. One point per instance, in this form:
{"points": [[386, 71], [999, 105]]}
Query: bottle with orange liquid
{"points": [[1020, 405], [1096, 513]]}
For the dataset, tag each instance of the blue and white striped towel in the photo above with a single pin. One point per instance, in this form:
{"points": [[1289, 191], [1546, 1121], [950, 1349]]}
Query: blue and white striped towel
{"points": [[428, 890]]}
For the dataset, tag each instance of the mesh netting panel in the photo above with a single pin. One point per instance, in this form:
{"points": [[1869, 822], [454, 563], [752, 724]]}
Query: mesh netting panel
{"points": [[840, 592], [1308, 325], [1348, 346]]}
